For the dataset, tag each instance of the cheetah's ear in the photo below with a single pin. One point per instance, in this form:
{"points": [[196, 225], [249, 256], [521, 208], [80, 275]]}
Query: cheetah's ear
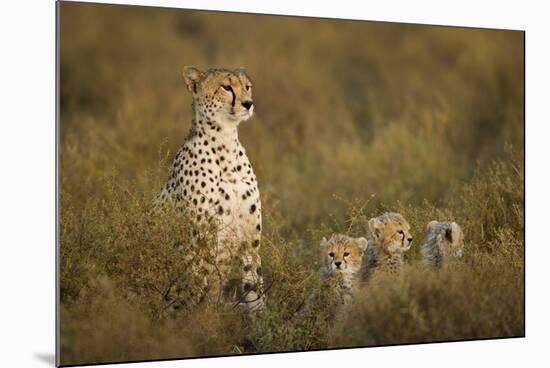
{"points": [[192, 77], [430, 224], [362, 243], [375, 226], [323, 242], [449, 234], [455, 231]]}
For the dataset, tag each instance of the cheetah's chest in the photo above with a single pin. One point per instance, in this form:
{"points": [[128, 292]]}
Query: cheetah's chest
{"points": [[240, 206]]}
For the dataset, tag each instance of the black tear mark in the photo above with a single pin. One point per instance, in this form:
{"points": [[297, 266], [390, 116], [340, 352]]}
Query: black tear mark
{"points": [[233, 94]]}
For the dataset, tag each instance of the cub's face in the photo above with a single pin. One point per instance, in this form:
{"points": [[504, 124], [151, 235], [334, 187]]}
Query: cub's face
{"points": [[221, 95], [449, 236], [342, 254], [392, 232]]}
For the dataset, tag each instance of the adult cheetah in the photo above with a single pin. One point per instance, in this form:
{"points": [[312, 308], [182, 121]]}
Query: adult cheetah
{"points": [[212, 181]]}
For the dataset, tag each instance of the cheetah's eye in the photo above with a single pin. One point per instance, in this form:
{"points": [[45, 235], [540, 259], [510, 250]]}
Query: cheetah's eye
{"points": [[227, 88], [401, 232], [248, 87], [331, 254], [346, 254]]}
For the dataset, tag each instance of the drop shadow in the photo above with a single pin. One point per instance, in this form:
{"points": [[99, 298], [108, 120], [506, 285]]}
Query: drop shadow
{"points": [[46, 358]]}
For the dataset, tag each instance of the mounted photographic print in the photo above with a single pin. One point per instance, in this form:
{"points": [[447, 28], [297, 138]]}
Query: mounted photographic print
{"points": [[237, 183]]}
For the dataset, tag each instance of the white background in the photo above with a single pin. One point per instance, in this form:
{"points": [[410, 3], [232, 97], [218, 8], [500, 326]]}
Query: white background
{"points": [[27, 181]]}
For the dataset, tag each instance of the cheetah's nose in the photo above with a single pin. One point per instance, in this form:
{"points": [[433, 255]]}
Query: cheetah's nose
{"points": [[410, 240], [338, 264], [247, 104]]}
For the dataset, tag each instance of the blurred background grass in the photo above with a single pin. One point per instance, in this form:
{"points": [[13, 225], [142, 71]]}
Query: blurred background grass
{"points": [[352, 118]]}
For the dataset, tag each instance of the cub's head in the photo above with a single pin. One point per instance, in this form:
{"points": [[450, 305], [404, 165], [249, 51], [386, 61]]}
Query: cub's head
{"points": [[448, 237], [391, 232], [219, 94], [342, 254]]}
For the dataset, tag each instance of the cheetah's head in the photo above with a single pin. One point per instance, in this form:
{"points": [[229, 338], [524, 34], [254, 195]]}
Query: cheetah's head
{"points": [[221, 95], [392, 232], [448, 236], [342, 254]]}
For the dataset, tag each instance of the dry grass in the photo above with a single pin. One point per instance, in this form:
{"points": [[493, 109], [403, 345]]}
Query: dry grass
{"points": [[353, 118]]}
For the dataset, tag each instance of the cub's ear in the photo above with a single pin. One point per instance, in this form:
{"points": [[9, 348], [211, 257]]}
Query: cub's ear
{"points": [[323, 242], [192, 77], [362, 243], [449, 234], [456, 231], [375, 225], [430, 224]]}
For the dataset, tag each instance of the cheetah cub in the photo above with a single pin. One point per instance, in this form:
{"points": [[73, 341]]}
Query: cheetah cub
{"points": [[342, 257], [389, 238], [212, 182], [444, 242]]}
